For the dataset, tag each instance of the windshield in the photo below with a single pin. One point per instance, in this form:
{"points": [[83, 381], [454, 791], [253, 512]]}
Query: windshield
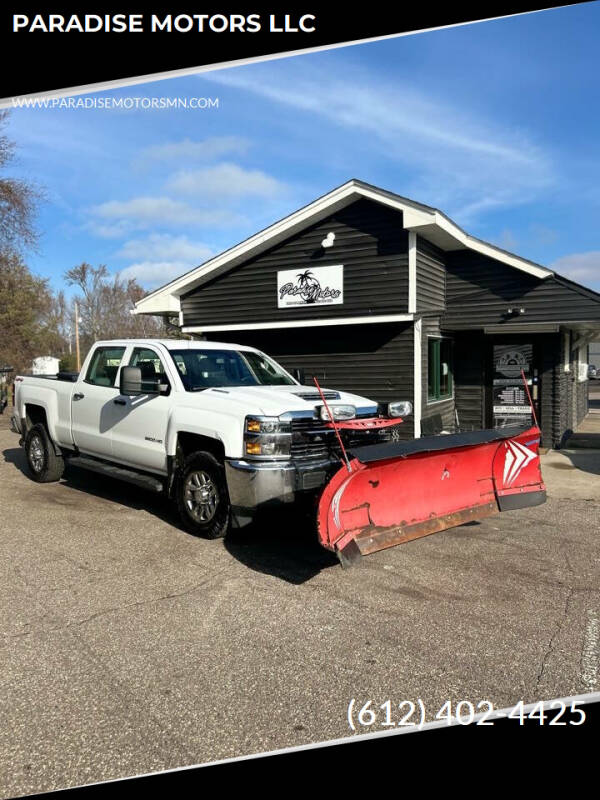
{"points": [[206, 369]]}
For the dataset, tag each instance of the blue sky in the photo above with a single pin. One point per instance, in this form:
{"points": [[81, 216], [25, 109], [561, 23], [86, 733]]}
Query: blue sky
{"points": [[496, 123]]}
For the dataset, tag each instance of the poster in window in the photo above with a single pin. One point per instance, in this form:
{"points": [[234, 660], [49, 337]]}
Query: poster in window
{"points": [[510, 402]]}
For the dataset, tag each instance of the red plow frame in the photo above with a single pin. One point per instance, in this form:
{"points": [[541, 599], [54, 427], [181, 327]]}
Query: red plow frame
{"points": [[390, 493]]}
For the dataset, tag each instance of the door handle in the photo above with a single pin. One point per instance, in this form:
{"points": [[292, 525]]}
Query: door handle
{"points": [[78, 396], [120, 402]]}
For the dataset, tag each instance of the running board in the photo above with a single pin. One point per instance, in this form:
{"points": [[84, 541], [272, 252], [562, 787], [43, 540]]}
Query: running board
{"points": [[122, 474]]}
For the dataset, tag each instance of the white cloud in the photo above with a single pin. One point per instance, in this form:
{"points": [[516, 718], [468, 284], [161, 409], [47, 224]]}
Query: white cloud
{"points": [[160, 257], [154, 273], [141, 212], [113, 230], [165, 247], [225, 181], [205, 149], [581, 267], [463, 162]]}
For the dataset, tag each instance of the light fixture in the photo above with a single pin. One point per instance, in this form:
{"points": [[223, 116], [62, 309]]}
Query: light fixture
{"points": [[328, 240]]}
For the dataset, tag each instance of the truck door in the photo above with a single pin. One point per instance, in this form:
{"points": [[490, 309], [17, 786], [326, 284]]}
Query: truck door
{"points": [[140, 431], [93, 412]]}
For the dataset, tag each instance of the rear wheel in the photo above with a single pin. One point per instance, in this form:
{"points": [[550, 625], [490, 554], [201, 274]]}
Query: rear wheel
{"points": [[201, 496], [44, 465]]}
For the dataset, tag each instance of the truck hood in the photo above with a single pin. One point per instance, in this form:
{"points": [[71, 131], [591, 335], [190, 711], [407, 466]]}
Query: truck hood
{"points": [[277, 400]]}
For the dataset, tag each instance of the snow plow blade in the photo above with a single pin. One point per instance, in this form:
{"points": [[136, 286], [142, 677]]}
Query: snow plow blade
{"points": [[392, 493]]}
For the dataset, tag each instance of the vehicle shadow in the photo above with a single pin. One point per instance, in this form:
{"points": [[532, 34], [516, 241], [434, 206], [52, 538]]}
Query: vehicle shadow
{"points": [[284, 546], [103, 487], [586, 460]]}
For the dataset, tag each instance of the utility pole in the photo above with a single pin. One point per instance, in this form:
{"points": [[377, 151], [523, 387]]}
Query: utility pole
{"points": [[77, 337]]}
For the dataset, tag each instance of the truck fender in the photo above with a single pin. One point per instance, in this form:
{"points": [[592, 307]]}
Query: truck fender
{"points": [[37, 396], [215, 425]]}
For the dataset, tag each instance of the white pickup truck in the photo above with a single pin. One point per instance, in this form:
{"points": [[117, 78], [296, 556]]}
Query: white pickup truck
{"points": [[221, 429]]}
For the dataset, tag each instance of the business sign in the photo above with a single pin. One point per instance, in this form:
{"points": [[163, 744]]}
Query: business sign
{"points": [[509, 398], [319, 286]]}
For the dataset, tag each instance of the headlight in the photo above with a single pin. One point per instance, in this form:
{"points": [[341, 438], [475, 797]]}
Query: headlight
{"points": [[339, 412], [267, 437], [266, 425], [400, 408]]}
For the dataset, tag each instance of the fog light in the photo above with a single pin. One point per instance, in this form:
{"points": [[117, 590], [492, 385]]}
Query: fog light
{"points": [[401, 408], [339, 412]]}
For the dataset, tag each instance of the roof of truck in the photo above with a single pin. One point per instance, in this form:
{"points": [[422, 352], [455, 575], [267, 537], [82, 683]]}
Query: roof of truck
{"points": [[179, 344]]}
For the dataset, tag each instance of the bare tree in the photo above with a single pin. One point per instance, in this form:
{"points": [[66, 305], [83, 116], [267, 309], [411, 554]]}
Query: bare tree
{"points": [[26, 330], [105, 304], [18, 201]]}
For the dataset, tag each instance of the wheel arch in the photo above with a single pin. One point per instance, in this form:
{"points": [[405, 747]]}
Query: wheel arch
{"points": [[36, 413], [187, 443]]}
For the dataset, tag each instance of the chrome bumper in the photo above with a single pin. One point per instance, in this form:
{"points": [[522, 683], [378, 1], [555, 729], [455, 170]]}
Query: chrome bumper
{"points": [[255, 485]]}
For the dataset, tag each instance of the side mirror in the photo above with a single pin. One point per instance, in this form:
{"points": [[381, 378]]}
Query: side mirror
{"points": [[298, 374], [131, 383]]}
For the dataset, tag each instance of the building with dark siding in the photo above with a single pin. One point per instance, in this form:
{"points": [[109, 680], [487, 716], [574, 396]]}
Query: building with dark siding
{"points": [[379, 295]]}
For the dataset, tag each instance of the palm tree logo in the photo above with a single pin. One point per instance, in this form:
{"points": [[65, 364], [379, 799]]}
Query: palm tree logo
{"points": [[309, 285]]}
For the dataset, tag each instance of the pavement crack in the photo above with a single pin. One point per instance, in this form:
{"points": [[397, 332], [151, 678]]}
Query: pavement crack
{"points": [[552, 642], [121, 608]]}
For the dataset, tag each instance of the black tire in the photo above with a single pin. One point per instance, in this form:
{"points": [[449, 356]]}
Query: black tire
{"points": [[44, 465], [200, 479]]}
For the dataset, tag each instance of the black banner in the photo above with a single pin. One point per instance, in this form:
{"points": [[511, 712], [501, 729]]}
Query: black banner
{"points": [[59, 46], [532, 734]]}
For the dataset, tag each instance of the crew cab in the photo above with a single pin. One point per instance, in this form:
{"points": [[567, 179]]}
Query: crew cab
{"points": [[221, 429]]}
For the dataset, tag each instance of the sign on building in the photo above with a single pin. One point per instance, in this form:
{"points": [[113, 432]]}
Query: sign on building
{"points": [[510, 402], [319, 286]]}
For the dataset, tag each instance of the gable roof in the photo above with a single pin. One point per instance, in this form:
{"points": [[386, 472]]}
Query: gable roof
{"points": [[428, 222]]}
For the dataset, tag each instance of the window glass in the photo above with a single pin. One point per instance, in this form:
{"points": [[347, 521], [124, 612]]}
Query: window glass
{"points": [[204, 369], [445, 368], [432, 355], [267, 371], [150, 364], [104, 366], [439, 369]]}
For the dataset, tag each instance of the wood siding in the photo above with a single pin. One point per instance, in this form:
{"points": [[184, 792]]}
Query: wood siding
{"points": [[370, 243], [469, 380], [479, 291], [374, 361], [431, 277], [552, 385]]}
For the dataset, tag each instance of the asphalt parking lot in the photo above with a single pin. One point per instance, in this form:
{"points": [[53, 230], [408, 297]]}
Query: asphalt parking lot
{"points": [[129, 646]]}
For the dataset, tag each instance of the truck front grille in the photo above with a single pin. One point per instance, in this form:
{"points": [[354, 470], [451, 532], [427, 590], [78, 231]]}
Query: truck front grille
{"points": [[310, 439]]}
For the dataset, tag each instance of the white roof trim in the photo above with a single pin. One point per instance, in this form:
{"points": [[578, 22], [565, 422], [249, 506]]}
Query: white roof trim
{"points": [[416, 216], [300, 323]]}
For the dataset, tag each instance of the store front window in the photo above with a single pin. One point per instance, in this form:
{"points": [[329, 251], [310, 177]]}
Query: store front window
{"points": [[440, 369]]}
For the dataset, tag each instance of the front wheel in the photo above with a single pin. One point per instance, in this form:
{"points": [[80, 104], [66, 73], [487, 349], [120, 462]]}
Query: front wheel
{"points": [[201, 496], [45, 466]]}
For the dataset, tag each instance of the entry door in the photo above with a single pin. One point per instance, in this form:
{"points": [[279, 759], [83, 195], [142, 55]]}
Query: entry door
{"points": [[139, 434], [93, 412]]}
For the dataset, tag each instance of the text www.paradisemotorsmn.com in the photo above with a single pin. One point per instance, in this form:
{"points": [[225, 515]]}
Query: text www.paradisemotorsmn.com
{"points": [[110, 103]]}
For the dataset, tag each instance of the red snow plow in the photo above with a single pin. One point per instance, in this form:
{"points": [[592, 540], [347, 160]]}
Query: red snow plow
{"points": [[387, 494]]}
